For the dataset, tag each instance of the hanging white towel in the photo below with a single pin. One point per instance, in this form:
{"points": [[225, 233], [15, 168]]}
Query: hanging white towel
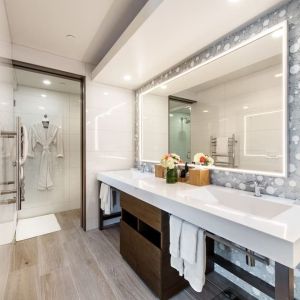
{"points": [[195, 273], [188, 242], [177, 263], [105, 196], [222, 159], [222, 146], [175, 232]]}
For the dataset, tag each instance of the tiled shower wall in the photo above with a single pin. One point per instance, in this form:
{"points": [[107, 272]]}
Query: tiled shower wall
{"points": [[285, 187], [8, 213]]}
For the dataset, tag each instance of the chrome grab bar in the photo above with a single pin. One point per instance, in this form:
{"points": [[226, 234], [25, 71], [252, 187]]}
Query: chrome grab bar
{"points": [[8, 192], [8, 201]]}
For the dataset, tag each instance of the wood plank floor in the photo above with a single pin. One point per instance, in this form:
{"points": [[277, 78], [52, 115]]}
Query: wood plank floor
{"points": [[73, 264]]}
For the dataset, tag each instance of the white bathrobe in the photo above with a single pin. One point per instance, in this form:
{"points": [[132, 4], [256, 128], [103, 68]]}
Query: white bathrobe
{"points": [[46, 137]]}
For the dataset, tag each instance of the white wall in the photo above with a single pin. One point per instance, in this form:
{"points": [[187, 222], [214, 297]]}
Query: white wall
{"points": [[63, 110], [154, 127], [109, 137], [7, 212], [228, 104]]}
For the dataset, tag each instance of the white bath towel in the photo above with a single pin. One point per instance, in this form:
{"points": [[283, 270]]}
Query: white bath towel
{"points": [[105, 196], [177, 263], [175, 231], [222, 146], [222, 159], [195, 273], [188, 242]]}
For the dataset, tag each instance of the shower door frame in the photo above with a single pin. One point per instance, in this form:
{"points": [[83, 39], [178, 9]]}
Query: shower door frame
{"points": [[82, 79]]}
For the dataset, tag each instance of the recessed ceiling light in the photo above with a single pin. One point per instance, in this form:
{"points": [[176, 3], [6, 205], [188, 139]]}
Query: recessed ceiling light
{"points": [[233, 1], [127, 77], [205, 111], [70, 36], [46, 82], [171, 115], [43, 95], [105, 93], [245, 107], [41, 107], [278, 75], [163, 87], [277, 34]]}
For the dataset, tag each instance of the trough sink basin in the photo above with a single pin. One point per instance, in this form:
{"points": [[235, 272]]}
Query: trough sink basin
{"points": [[238, 201]]}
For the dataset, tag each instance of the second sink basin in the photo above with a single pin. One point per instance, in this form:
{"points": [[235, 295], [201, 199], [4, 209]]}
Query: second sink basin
{"points": [[244, 202]]}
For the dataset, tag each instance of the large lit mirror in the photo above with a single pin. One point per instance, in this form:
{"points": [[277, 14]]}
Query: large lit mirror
{"points": [[232, 108]]}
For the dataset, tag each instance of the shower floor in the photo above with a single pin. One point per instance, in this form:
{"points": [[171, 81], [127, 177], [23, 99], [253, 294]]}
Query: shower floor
{"points": [[32, 227]]}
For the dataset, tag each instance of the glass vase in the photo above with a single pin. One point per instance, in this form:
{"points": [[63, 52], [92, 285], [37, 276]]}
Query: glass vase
{"points": [[171, 176]]}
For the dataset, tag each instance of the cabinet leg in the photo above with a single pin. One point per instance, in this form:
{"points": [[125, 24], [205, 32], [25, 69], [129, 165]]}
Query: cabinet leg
{"points": [[210, 249], [284, 282]]}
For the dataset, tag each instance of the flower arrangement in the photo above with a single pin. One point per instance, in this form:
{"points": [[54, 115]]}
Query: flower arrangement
{"points": [[202, 159], [170, 160]]}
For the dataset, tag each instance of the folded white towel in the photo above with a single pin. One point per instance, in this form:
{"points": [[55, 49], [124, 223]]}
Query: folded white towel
{"points": [[195, 273], [177, 263], [105, 196], [188, 242], [175, 231], [222, 146]]}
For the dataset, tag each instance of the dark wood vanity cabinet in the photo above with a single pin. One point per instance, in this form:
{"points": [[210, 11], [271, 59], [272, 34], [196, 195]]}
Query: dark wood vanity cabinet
{"points": [[144, 244]]}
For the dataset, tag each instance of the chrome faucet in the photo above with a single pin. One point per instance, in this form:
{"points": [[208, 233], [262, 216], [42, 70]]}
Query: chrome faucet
{"points": [[258, 186], [143, 167]]}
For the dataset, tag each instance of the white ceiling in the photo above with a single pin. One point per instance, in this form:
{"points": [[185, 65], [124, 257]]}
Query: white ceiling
{"points": [[35, 80], [97, 24], [176, 29]]}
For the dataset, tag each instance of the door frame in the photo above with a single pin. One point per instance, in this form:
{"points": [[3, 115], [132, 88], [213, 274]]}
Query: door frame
{"points": [[82, 79]]}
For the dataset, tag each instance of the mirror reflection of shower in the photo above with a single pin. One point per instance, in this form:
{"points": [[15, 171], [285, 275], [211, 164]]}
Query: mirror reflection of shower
{"points": [[180, 128]]}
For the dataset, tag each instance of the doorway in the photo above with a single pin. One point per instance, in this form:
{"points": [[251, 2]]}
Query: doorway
{"points": [[49, 107]]}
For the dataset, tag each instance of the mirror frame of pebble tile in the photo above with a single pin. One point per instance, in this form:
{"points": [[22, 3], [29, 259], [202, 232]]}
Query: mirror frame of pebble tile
{"points": [[280, 26]]}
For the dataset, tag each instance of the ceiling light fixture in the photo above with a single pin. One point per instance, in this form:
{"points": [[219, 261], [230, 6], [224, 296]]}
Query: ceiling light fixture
{"points": [[278, 75], [105, 93], [245, 107], [127, 77], [43, 95], [205, 111], [171, 115], [233, 1], [46, 82], [163, 87], [70, 36]]}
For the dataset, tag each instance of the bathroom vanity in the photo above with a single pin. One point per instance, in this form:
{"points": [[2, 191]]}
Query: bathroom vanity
{"points": [[144, 244], [267, 226]]}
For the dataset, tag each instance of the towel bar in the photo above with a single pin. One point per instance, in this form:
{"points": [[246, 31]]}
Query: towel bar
{"points": [[248, 253]]}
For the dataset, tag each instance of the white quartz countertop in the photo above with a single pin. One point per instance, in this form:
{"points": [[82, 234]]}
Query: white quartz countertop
{"points": [[267, 225]]}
